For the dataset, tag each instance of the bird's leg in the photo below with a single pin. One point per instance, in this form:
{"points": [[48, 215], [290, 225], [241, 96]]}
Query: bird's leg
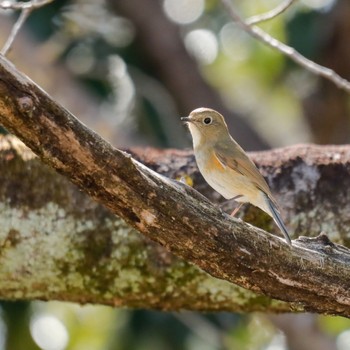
{"points": [[236, 210], [239, 207], [229, 200]]}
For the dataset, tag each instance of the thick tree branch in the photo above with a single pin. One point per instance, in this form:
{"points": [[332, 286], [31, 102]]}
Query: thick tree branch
{"points": [[95, 246], [99, 259], [96, 258], [314, 272]]}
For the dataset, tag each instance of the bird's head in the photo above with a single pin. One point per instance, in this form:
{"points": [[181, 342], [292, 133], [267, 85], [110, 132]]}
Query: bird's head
{"points": [[206, 126]]}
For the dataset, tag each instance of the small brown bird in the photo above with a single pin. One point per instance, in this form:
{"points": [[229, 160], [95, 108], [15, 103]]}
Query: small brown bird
{"points": [[226, 167]]}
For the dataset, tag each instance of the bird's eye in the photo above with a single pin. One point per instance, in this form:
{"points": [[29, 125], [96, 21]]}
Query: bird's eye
{"points": [[207, 121]]}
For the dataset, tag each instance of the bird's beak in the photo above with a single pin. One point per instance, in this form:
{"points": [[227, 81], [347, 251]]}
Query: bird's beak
{"points": [[186, 119]]}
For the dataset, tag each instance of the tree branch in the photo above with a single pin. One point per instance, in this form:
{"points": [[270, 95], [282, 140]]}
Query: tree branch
{"points": [[314, 272], [270, 14], [288, 51], [97, 258], [26, 9], [15, 30], [102, 260], [21, 5]]}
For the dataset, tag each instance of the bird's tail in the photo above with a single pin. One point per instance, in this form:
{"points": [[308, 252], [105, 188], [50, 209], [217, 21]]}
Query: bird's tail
{"points": [[277, 218]]}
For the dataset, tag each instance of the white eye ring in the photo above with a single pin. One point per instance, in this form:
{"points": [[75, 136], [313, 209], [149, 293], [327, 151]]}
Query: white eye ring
{"points": [[207, 120]]}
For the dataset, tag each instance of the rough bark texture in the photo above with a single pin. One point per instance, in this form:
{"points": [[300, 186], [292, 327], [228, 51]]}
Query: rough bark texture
{"points": [[314, 273], [57, 243], [98, 258]]}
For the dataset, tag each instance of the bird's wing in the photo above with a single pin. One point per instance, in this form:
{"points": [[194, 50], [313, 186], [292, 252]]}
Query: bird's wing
{"points": [[235, 158]]}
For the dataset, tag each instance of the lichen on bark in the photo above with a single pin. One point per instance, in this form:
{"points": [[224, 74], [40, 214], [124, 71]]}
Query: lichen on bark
{"points": [[314, 273], [56, 243]]}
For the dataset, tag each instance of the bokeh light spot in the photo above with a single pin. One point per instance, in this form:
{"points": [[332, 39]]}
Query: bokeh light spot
{"points": [[343, 340], [183, 11], [81, 60], [203, 45], [48, 332], [234, 42]]}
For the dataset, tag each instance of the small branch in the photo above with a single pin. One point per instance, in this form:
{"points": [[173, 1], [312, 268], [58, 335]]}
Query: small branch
{"points": [[35, 4], [270, 14], [26, 9], [290, 52], [15, 30]]}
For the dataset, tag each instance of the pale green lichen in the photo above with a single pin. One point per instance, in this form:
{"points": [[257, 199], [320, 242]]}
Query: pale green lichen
{"points": [[43, 242], [48, 252]]}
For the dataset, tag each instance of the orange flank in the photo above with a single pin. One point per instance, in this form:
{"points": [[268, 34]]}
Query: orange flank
{"points": [[214, 164]]}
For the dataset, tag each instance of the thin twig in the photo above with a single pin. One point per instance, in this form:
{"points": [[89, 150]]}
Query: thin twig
{"points": [[290, 52], [270, 14], [26, 9], [15, 29], [34, 4]]}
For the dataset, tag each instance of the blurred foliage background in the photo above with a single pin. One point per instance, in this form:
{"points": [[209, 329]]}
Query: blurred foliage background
{"points": [[129, 70]]}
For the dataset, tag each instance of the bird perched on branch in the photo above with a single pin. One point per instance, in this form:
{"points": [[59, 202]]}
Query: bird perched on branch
{"points": [[226, 167]]}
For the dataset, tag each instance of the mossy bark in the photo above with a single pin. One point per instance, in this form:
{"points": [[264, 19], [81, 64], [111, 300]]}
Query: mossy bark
{"points": [[313, 274], [57, 243]]}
